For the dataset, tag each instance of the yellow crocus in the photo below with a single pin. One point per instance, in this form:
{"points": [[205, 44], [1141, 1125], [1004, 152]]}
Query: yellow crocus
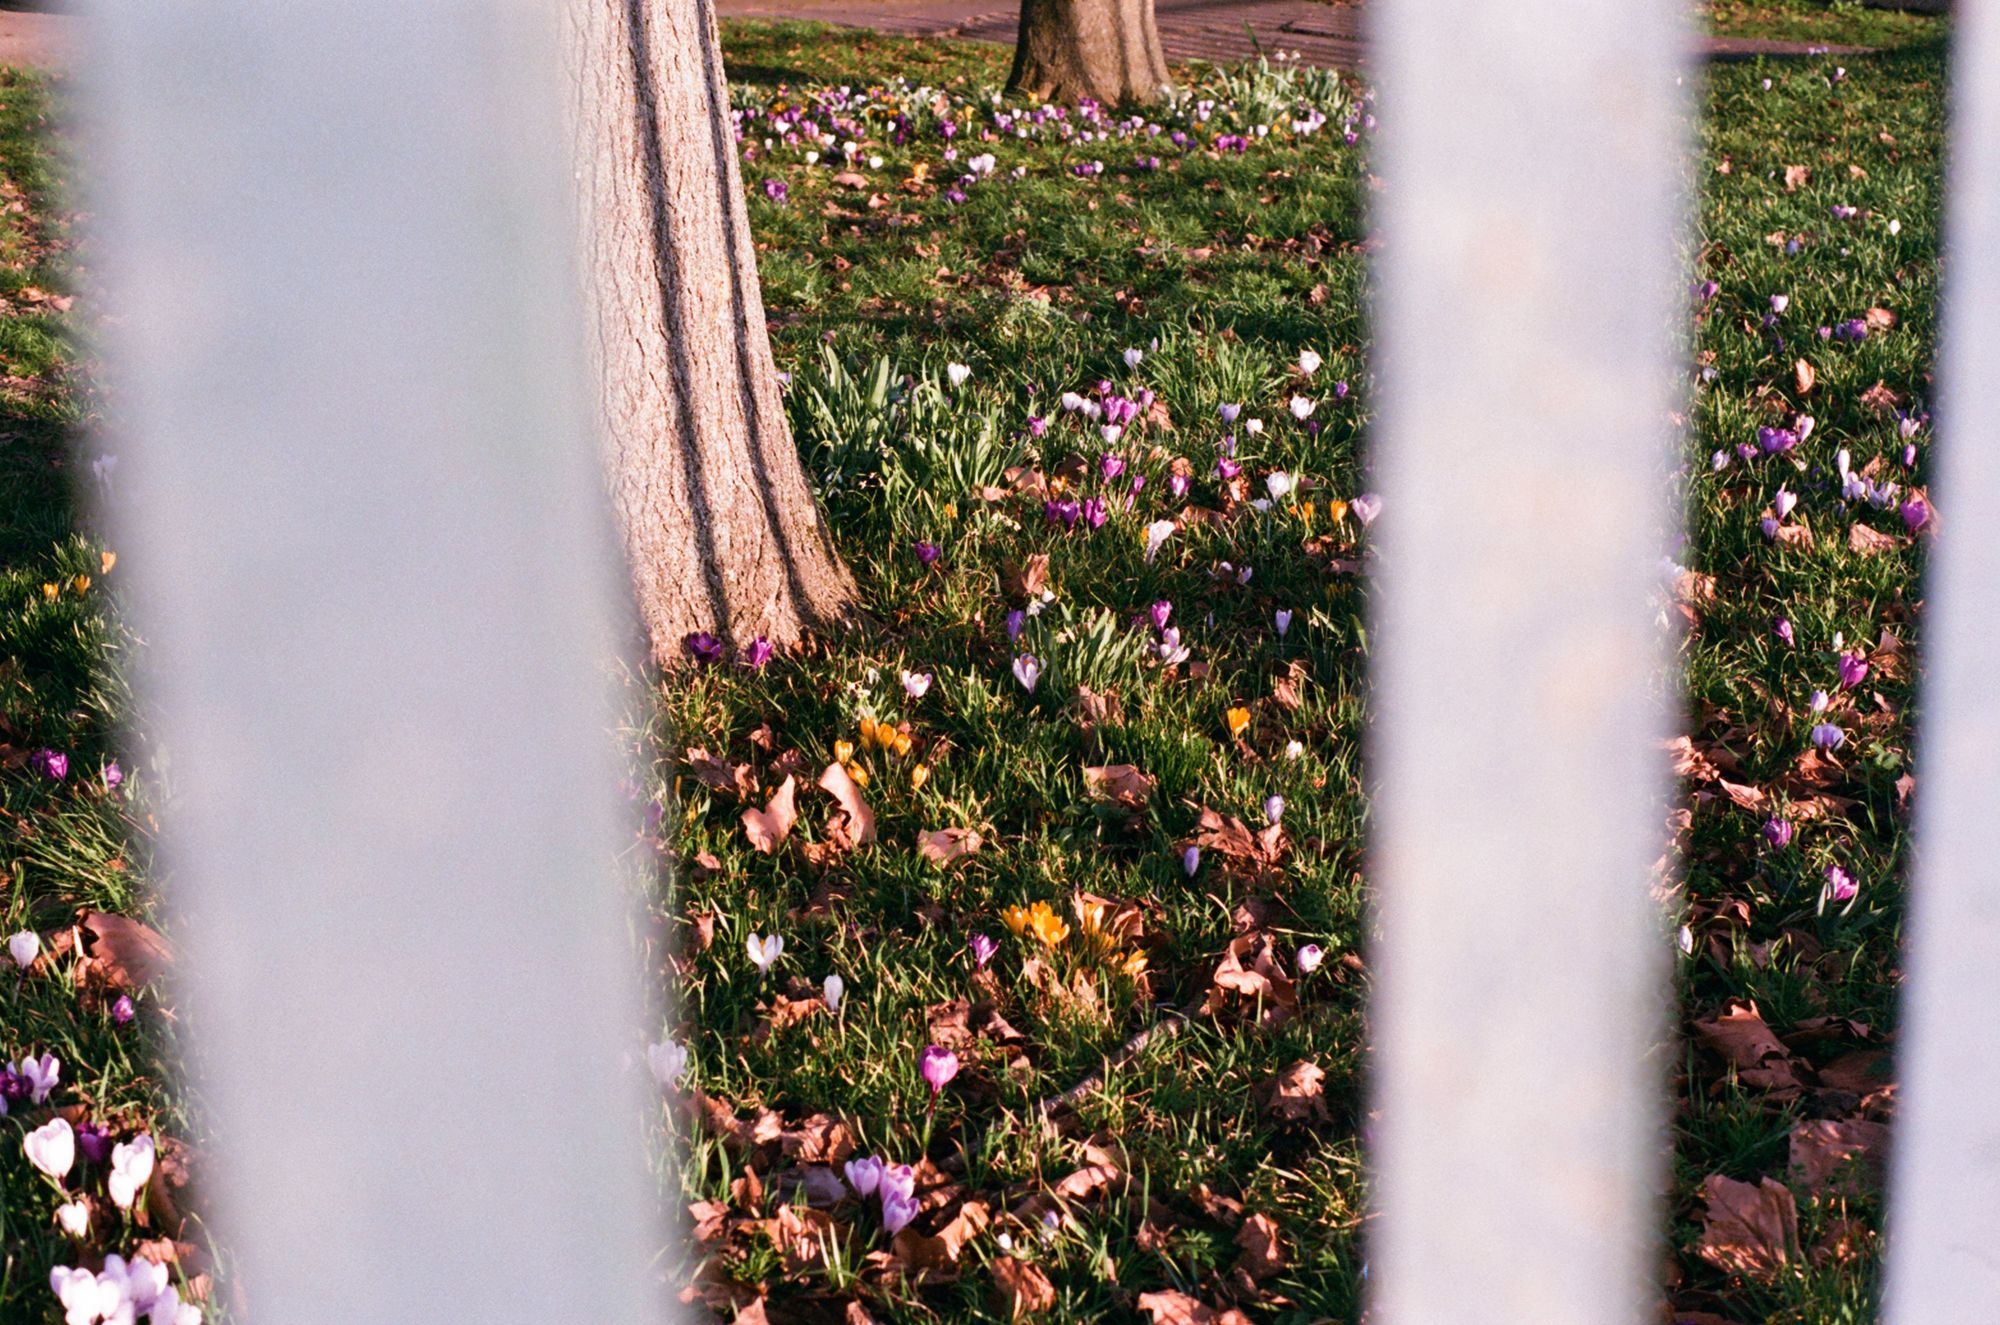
{"points": [[1239, 718]]}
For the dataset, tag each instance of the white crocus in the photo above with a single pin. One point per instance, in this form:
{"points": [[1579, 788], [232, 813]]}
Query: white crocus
{"points": [[131, 1170], [668, 1060], [1158, 533], [765, 951], [51, 1147], [24, 947], [836, 990]]}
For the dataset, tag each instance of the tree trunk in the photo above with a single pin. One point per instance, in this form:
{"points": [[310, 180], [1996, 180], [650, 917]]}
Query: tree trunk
{"points": [[1107, 50], [719, 523]]}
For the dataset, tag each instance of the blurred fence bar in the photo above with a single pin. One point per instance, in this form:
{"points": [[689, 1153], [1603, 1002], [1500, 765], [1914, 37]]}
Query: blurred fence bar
{"points": [[1944, 1212], [1534, 180], [359, 494]]}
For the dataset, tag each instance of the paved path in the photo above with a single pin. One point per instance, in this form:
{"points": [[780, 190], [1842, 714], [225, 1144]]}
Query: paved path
{"points": [[40, 41], [1220, 30]]}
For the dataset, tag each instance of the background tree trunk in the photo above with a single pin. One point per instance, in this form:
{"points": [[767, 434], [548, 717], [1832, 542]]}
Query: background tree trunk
{"points": [[1108, 50], [719, 522]]}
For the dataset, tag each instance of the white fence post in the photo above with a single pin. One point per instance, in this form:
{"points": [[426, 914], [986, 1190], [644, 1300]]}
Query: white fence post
{"points": [[1944, 1213], [1533, 186], [358, 494]]}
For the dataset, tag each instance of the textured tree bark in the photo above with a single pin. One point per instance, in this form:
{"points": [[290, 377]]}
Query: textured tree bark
{"points": [[1107, 50], [719, 523]]}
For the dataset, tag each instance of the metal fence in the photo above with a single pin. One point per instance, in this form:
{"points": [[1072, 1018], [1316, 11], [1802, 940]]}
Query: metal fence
{"points": [[375, 578]]}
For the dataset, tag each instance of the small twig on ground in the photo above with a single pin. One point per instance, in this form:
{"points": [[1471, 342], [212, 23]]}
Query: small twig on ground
{"points": [[1171, 1023]]}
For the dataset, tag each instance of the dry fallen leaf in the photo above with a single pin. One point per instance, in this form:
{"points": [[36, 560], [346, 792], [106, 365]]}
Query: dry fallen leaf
{"points": [[720, 775], [1027, 579], [1748, 1230], [1803, 376], [1821, 1150], [860, 826], [121, 952], [1740, 1038], [1881, 399], [1867, 541], [1249, 968], [1297, 1094], [945, 845], [1797, 177], [1021, 1289], [1122, 784], [768, 827], [937, 1255], [1263, 1248], [1171, 1308]]}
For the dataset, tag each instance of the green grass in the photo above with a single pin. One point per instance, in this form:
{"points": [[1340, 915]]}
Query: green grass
{"points": [[1221, 268], [1822, 23]]}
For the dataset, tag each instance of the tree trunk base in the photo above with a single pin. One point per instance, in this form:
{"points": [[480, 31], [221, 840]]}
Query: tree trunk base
{"points": [[1106, 51]]}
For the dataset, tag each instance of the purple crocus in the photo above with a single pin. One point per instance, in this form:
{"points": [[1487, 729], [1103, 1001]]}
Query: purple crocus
{"points": [[1366, 507], [1094, 512], [1227, 468], [93, 1142], [775, 190], [1110, 465], [758, 653], [704, 648], [114, 776], [52, 764], [864, 1175], [1177, 486], [1778, 831], [927, 553], [1274, 808], [1840, 885], [1062, 512], [1229, 412], [1828, 736], [1282, 620], [937, 1066], [1017, 621], [897, 1212], [1159, 613], [1191, 861], [1853, 670], [983, 947], [1916, 514], [1782, 628], [123, 1010]]}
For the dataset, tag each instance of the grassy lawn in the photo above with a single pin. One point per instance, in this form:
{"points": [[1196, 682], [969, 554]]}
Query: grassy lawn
{"points": [[1822, 22], [1075, 1163]]}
